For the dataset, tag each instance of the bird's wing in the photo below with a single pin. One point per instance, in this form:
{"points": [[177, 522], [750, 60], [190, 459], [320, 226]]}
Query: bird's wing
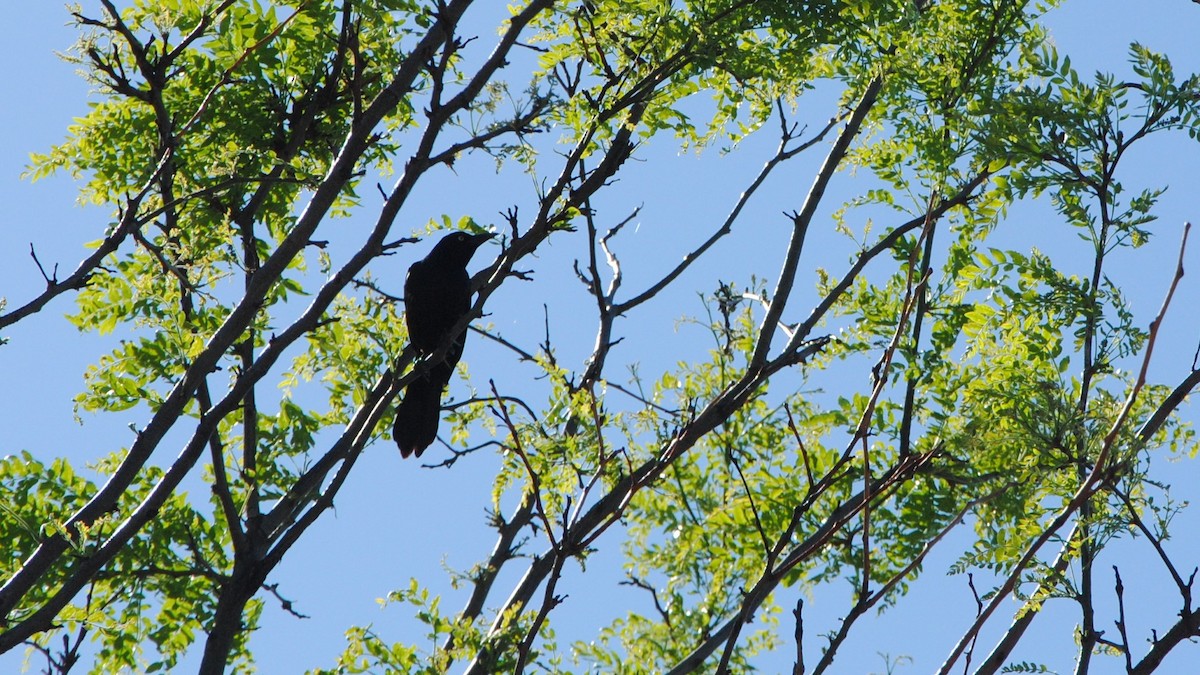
{"points": [[420, 304], [434, 298]]}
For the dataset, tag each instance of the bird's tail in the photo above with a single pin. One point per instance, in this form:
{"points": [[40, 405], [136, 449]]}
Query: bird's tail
{"points": [[419, 412]]}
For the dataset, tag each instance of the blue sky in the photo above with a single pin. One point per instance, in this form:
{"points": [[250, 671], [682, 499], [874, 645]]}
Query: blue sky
{"points": [[394, 521]]}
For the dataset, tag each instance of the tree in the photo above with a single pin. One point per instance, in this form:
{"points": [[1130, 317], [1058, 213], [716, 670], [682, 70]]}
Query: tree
{"points": [[1004, 405]]}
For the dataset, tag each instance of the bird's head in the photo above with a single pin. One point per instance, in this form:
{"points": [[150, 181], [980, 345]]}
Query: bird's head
{"points": [[458, 247]]}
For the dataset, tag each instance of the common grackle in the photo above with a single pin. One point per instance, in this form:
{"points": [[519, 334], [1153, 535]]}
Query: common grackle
{"points": [[437, 293]]}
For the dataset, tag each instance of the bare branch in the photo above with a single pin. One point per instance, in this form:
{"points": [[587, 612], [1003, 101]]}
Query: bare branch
{"points": [[1120, 622], [782, 154], [798, 636], [800, 223]]}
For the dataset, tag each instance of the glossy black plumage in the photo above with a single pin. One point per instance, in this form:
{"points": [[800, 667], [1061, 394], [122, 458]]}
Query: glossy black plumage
{"points": [[437, 293]]}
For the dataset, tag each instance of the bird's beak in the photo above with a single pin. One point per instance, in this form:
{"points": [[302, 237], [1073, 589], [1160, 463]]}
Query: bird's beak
{"points": [[478, 239]]}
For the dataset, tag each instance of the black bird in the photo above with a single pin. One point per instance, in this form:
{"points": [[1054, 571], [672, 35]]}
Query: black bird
{"points": [[437, 293]]}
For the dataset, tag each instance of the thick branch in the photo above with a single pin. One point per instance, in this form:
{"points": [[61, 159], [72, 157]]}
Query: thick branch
{"points": [[801, 220]]}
